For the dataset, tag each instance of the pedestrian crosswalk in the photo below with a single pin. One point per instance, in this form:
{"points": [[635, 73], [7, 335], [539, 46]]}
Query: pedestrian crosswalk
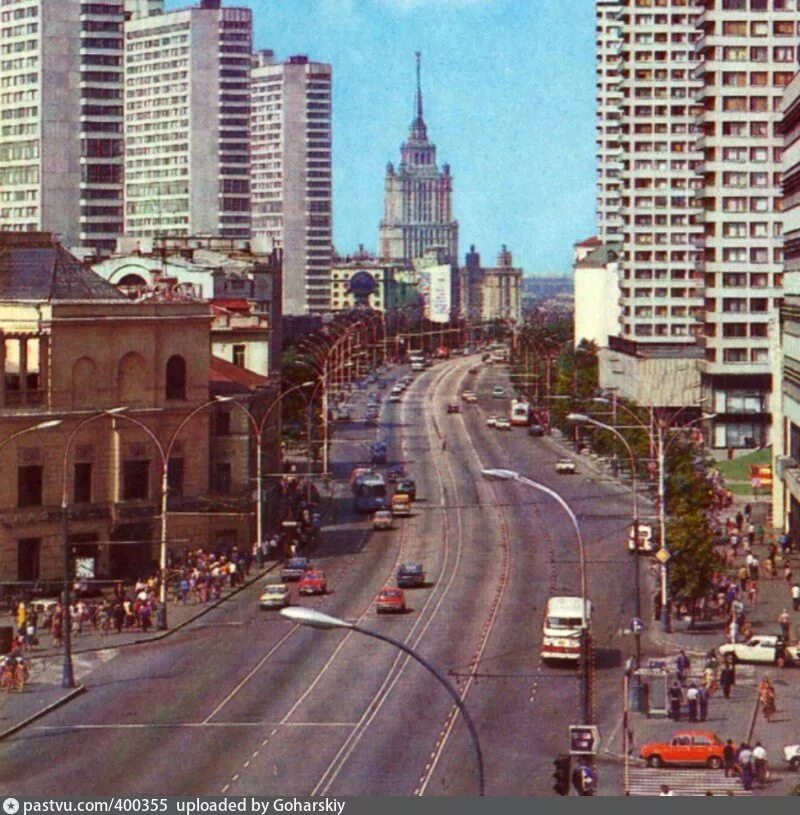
{"points": [[48, 671], [648, 781]]}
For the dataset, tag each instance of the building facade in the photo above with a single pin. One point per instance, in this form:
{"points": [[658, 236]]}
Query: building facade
{"points": [[394, 286], [418, 204], [491, 293], [187, 122], [694, 88], [61, 133], [596, 280], [292, 174]]}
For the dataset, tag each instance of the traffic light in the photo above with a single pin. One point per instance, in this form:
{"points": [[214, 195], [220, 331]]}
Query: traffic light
{"points": [[561, 775]]}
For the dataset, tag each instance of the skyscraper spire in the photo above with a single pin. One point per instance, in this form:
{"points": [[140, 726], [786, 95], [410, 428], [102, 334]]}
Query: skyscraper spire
{"points": [[418, 130]]}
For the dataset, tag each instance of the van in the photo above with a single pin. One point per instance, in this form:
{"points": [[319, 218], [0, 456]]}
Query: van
{"points": [[565, 621], [401, 504]]}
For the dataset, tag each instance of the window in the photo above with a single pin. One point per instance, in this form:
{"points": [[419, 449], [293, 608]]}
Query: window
{"points": [[734, 330], [135, 480], [29, 485], [222, 422], [734, 355], [176, 378], [82, 483], [175, 476], [222, 477], [238, 355]]}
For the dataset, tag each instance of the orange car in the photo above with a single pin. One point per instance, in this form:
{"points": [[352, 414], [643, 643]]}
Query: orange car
{"points": [[686, 747]]}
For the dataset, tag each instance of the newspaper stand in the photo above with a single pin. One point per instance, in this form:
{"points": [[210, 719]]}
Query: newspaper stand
{"points": [[655, 683]]}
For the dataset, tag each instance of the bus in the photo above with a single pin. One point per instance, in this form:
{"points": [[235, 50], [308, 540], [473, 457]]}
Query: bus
{"points": [[520, 413], [369, 493], [567, 621]]}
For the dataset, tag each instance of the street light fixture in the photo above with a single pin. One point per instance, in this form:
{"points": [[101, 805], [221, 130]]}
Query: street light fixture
{"points": [[316, 619]]}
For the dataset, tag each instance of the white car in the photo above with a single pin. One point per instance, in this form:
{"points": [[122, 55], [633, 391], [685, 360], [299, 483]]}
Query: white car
{"points": [[491, 420], [565, 466], [791, 754], [276, 595], [502, 424], [395, 397], [382, 519], [761, 648], [470, 397]]}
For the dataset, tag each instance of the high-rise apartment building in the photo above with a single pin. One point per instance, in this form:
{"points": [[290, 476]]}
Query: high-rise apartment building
{"points": [[419, 198], [187, 122], [292, 174], [695, 213], [61, 119]]}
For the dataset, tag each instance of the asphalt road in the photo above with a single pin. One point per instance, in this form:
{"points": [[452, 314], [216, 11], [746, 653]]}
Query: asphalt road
{"points": [[244, 702]]}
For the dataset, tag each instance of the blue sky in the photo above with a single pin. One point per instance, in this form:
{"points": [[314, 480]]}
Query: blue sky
{"points": [[509, 102]]}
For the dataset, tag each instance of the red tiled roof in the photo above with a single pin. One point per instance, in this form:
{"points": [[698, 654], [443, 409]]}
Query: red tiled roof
{"points": [[593, 241], [224, 371]]}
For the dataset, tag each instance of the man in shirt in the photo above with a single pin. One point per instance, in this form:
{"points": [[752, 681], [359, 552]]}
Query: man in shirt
{"points": [[760, 763], [692, 701]]}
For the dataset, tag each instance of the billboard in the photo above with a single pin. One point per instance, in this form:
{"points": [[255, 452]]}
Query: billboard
{"points": [[438, 300]]}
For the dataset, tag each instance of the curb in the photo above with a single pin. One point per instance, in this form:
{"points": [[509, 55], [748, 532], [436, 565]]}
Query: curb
{"points": [[169, 631], [68, 697]]}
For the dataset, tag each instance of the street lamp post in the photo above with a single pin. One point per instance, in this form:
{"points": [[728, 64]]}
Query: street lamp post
{"points": [[316, 619], [512, 475], [580, 418]]}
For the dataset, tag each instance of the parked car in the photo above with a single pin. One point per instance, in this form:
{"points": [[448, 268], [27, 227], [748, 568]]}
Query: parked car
{"points": [[382, 519], [565, 466], [295, 568], [791, 755], [453, 407], [410, 575], [391, 599], [313, 582], [536, 430], [766, 648], [275, 595], [491, 420], [701, 747], [502, 424], [407, 486]]}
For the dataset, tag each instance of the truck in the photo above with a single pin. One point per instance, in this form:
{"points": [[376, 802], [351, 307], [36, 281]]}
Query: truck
{"points": [[520, 413], [567, 621]]}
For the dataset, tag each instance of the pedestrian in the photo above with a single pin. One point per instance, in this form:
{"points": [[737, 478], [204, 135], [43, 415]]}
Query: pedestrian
{"points": [[783, 540], [766, 695], [743, 575], [755, 566], [760, 763], [748, 510], [739, 520], [692, 701], [726, 679], [665, 791], [728, 758], [733, 630], [683, 664], [675, 699], [796, 596], [787, 572], [752, 591], [785, 622], [702, 701]]}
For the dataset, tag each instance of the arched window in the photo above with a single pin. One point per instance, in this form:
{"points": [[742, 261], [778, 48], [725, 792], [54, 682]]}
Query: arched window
{"points": [[176, 378]]}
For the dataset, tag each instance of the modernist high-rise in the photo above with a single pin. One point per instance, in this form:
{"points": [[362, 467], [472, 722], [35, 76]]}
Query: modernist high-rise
{"points": [[187, 122], [61, 126], [418, 209], [689, 174], [292, 190]]}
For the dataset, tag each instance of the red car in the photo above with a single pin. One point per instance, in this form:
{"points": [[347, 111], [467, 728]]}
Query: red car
{"points": [[391, 599], [313, 582], [686, 747]]}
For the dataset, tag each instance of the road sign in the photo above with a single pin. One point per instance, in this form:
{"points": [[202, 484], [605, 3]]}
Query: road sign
{"points": [[636, 625], [584, 740], [662, 555]]}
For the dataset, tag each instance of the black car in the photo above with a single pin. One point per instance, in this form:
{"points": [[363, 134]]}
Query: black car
{"points": [[295, 568], [536, 430], [407, 486], [410, 575]]}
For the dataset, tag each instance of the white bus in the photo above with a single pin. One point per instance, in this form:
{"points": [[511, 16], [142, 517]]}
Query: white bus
{"points": [[520, 413]]}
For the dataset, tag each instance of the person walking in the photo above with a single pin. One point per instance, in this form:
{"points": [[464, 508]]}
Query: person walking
{"points": [[682, 664], [745, 761], [726, 679], [760, 763], [796, 596], [675, 700], [702, 701], [692, 701], [729, 758], [785, 622]]}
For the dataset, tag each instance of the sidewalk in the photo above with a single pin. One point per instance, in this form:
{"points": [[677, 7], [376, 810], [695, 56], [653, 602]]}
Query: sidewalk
{"points": [[43, 692]]}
